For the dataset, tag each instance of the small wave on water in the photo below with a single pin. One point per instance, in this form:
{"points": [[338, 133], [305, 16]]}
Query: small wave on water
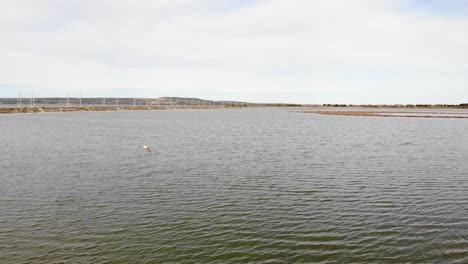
{"points": [[223, 187]]}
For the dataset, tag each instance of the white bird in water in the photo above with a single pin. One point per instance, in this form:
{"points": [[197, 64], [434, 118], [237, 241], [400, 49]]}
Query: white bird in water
{"points": [[147, 148]]}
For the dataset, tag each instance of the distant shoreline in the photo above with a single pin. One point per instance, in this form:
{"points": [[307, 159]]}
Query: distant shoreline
{"points": [[387, 114], [317, 109], [16, 110], [408, 106]]}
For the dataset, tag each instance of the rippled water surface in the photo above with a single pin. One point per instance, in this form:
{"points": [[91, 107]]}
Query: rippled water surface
{"points": [[232, 186]]}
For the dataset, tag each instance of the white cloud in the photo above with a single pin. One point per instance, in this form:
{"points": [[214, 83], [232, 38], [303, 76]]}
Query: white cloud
{"points": [[363, 51]]}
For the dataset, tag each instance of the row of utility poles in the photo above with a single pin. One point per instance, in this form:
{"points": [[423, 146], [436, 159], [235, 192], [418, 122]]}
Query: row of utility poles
{"points": [[19, 100], [160, 102]]}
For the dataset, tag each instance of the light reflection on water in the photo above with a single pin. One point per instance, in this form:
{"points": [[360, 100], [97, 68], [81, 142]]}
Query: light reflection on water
{"points": [[232, 186]]}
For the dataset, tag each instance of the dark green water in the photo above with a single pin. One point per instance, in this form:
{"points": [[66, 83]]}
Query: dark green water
{"points": [[232, 186]]}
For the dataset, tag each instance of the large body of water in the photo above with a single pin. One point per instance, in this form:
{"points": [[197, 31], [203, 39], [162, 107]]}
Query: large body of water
{"points": [[232, 186]]}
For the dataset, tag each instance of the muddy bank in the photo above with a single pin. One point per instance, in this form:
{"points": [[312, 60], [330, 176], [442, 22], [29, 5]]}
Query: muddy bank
{"points": [[387, 114]]}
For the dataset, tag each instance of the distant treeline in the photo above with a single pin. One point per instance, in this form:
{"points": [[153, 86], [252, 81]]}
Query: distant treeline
{"points": [[403, 105]]}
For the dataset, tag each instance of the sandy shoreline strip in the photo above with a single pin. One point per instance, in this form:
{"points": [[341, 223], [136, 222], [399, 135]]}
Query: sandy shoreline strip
{"points": [[385, 114], [85, 109]]}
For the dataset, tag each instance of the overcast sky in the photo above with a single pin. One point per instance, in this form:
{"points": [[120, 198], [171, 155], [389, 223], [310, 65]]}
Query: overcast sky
{"points": [[304, 51]]}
